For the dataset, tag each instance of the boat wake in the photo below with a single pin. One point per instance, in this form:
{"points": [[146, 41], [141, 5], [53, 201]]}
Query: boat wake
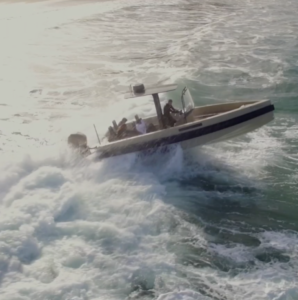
{"points": [[133, 227]]}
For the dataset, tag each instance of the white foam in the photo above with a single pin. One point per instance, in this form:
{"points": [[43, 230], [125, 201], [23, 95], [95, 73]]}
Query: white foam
{"points": [[183, 295], [72, 229]]}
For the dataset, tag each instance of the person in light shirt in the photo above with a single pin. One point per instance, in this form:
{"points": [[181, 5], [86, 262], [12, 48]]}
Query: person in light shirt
{"points": [[140, 125]]}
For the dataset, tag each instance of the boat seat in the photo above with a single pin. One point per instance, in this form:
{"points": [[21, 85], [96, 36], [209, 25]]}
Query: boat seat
{"points": [[151, 128]]}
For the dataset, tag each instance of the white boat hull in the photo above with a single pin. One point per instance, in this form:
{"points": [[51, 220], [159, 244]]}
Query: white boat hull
{"points": [[204, 125], [229, 133]]}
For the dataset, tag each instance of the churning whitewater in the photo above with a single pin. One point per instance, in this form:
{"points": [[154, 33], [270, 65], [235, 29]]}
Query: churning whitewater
{"points": [[217, 222]]}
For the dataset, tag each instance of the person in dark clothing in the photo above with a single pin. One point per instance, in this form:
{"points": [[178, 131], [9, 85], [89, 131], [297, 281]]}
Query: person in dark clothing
{"points": [[167, 110]]}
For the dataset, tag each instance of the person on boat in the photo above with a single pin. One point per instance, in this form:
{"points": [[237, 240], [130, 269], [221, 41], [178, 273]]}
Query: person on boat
{"points": [[112, 134], [140, 125], [123, 131], [167, 110], [123, 121], [122, 128]]}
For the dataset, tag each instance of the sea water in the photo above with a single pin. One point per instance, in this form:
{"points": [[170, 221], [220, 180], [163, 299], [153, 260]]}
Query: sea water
{"points": [[216, 222]]}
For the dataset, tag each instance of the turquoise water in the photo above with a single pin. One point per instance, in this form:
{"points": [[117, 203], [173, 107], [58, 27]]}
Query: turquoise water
{"points": [[216, 222]]}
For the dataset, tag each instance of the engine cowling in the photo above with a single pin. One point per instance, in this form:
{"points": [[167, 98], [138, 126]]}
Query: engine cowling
{"points": [[77, 140]]}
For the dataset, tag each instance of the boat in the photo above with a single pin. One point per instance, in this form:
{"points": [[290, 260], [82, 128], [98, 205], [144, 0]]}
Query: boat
{"points": [[195, 125]]}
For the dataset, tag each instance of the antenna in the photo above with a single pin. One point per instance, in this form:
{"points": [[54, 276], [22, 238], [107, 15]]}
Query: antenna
{"points": [[96, 134]]}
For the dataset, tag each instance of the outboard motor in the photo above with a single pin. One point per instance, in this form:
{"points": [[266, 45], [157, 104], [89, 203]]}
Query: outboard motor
{"points": [[78, 141]]}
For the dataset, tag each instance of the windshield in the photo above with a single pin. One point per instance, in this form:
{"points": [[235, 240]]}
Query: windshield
{"points": [[187, 101]]}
